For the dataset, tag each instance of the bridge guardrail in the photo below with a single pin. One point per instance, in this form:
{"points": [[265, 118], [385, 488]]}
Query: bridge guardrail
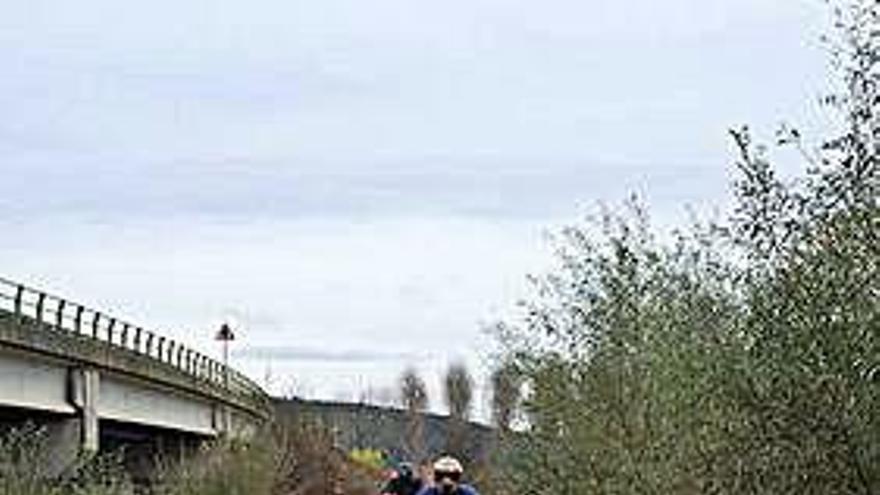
{"points": [[62, 315]]}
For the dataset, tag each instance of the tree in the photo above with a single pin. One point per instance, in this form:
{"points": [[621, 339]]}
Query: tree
{"points": [[458, 388], [414, 397], [742, 356], [505, 396]]}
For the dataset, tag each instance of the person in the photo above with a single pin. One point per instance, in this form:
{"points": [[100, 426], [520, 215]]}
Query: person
{"points": [[403, 481], [448, 479]]}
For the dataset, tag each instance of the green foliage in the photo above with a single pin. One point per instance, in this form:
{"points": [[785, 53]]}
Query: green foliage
{"points": [[25, 460], [458, 388], [368, 458], [224, 468], [414, 398], [738, 357], [102, 474], [293, 455], [22, 453], [505, 395]]}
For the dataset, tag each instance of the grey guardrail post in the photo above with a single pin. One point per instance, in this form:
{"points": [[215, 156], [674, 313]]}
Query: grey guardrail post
{"points": [[41, 301], [19, 295], [77, 320], [95, 322], [59, 317], [110, 330]]}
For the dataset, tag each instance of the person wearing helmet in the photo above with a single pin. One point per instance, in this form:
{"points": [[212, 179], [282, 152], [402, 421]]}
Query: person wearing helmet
{"points": [[403, 481], [448, 479]]}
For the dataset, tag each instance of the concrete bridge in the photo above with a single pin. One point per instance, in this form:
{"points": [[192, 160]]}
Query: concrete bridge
{"points": [[96, 381]]}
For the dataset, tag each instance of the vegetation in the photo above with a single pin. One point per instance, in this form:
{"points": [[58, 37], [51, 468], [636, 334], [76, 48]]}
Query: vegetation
{"points": [[294, 456], [231, 468], [505, 395], [291, 457], [741, 356], [26, 469], [414, 396], [370, 459], [458, 388]]}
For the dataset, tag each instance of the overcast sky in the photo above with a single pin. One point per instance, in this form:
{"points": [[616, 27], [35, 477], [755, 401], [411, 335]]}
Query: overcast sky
{"points": [[361, 185]]}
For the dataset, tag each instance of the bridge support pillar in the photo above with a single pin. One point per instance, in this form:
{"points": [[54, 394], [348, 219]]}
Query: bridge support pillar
{"points": [[70, 437], [85, 384], [222, 419]]}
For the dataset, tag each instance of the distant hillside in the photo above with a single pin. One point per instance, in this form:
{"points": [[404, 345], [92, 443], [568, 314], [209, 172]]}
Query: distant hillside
{"points": [[368, 426]]}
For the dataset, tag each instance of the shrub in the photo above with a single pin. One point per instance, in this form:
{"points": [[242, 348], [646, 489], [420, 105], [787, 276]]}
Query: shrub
{"points": [[738, 357]]}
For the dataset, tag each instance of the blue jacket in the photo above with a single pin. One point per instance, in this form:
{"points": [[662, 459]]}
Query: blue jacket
{"points": [[461, 490]]}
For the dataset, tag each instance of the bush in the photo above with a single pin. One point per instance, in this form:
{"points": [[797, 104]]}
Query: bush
{"points": [[739, 357], [25, 461], [289, 457]]}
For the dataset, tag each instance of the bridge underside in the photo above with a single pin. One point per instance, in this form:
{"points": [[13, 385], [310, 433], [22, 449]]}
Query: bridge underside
{"points": [[37, 384], [97, 383], [141, 448], [81, 409]]}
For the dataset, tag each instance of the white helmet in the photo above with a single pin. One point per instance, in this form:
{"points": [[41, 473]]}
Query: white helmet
{"points": [[448, 464]]}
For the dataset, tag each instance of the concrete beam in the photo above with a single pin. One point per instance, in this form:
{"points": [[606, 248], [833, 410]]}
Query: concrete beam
{"points": [[128, 400], [30, 383]]}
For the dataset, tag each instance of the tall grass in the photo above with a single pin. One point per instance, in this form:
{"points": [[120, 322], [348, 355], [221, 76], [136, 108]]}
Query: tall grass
{"points": [[223, 468]]}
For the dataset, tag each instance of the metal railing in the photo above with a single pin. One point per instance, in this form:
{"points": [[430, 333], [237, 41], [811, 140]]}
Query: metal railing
{"points": [[60, 315]]}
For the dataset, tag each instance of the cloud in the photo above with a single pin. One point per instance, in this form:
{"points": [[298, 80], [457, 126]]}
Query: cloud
{"points": [[282, 353], [444, 187], [334, 164]]}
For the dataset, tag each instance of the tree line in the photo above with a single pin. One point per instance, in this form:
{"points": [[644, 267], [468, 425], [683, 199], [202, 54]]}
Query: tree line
{"points": [[458, 395]]}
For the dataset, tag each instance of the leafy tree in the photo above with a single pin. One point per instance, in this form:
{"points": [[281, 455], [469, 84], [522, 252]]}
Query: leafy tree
{"points": [[740, 357], [505, 396]]}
